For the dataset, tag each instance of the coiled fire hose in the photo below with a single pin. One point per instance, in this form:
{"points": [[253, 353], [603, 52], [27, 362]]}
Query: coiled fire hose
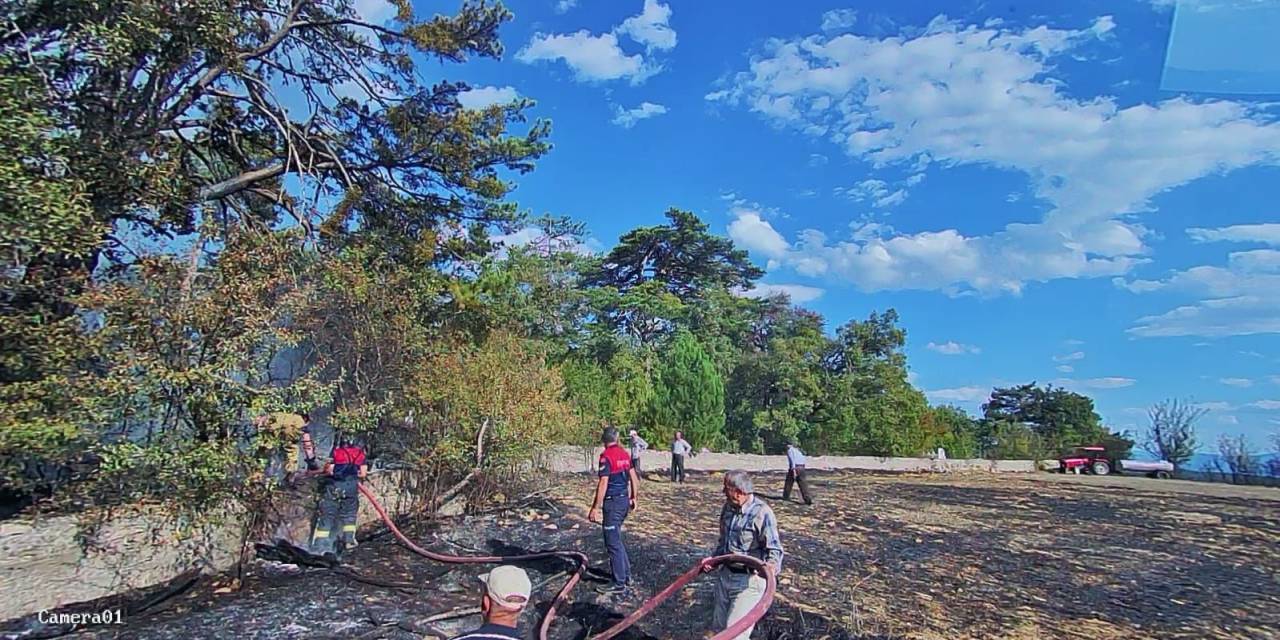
{"points": [[705, 565]]}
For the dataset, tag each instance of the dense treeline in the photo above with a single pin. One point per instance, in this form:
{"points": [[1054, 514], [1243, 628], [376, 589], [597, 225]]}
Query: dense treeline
{"points": [[661, 338], [214, 210]]}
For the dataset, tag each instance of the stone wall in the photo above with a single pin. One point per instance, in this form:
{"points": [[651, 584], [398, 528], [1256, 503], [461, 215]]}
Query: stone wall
{"points": [[50, 562], [582, 459]]}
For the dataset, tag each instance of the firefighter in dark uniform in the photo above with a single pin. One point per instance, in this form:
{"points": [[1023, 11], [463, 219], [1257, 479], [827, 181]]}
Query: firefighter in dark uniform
{"points": [[340, 501], [615, 497]]}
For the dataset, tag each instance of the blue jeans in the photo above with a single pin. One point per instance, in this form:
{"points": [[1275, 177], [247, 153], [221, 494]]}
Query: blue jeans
{"points": [[615, 512]]}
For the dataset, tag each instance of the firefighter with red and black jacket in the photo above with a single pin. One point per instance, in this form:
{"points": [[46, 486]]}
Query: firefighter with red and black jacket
{"points": [[340, 501], [615, 497]]}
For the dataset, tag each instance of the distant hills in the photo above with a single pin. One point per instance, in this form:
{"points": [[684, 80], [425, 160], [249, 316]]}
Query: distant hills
{"points": [[1210, 461]]}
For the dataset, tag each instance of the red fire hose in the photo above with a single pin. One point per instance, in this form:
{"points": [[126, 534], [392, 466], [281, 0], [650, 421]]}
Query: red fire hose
{"points": [[703, 566]]}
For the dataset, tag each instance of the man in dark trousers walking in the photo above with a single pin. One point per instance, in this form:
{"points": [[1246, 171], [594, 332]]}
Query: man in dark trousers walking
{"points": [[340, 502], [795, 473], [615, 497], [679, 449]]}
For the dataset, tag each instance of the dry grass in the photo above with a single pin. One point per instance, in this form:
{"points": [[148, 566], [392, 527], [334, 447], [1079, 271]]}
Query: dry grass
{"points": [[918, 557]]}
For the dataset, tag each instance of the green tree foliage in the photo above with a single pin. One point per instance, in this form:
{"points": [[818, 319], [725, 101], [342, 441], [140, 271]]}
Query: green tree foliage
{"points": [[682, 256], [164, 107], [1011, 440], [307, 196], [535, 286], [211, 210], [778, 384], [869, 348], [1057, 418], [952, 429], [502, 381], [688, 396], [157, 386]]}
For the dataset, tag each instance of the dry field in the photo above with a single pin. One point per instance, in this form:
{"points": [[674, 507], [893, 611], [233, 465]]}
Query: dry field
{"points": [[926, 557]]}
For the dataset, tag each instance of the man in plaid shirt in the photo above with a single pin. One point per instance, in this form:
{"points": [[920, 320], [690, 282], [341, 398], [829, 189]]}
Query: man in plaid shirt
{"points": [[747, 527]]}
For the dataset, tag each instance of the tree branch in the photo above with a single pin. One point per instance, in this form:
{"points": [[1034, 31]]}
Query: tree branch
{"points": [[475, 472]]}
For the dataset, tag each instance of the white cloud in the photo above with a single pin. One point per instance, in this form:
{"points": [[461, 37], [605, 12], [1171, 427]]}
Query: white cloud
{"points": [[944, 260], [953, 348], [1267, 233], [1070, 357], [838, 19], [533, 236], [651, 28], [798, 293], [1236, 382], [627, 118], [753, 233], [1073, 342], [1274, 379], [1266, 405], [877, 191], [960, 394], [1215, 406], [1113, 382], [1242, 315], [818, 160], [1237, 299], [481, 97], [592, 58], [374, 11], [969, 95], [1065, 368], [1204, 6], [597, 58], [1228, 419], [563, 6]]}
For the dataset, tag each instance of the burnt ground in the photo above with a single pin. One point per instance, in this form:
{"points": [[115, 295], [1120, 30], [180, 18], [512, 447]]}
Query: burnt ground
{"points": [[926, 557]]}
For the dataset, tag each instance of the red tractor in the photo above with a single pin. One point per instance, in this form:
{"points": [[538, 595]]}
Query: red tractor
{"points": [[1087, 460], [1097, 461]]}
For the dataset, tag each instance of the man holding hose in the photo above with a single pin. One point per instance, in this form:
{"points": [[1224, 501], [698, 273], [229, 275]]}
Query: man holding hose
{"points": [[340, 502], [615, 497], [747, 527]]}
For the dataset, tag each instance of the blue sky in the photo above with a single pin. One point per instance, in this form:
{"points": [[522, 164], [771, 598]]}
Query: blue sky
{"points": [[1011, 176]]}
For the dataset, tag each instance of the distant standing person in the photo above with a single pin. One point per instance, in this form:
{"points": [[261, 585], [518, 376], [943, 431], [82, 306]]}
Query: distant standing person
{"points": [[679, 449], [308, 444], [795, 474], [616, 497], [638, 446], [747, 527]]}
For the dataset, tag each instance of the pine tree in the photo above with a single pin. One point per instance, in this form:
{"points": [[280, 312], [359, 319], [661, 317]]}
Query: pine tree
{"points": [[688, 396]]}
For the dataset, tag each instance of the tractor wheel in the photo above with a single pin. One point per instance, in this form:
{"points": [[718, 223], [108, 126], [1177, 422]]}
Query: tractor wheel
{"points": [[1101, 468], [1162, 475]]}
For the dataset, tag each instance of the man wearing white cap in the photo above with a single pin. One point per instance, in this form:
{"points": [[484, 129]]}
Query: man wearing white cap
{"points": [[506, 594]]}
